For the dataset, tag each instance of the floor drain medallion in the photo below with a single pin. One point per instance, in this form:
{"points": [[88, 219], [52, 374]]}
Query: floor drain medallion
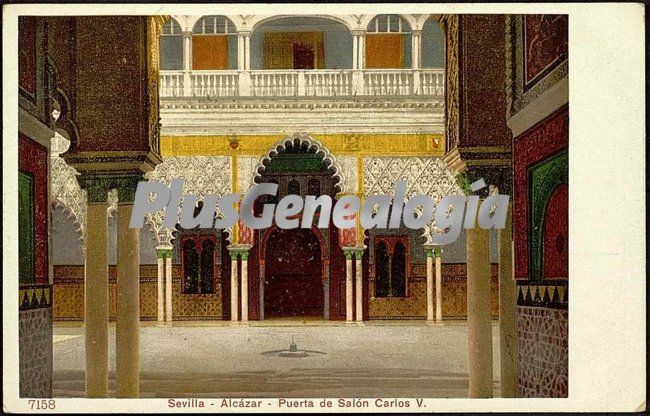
{"points": [[293, 352]]}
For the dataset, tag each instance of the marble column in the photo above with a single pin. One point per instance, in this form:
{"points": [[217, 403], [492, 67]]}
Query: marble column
{"points": [[349, 306], [187, 51], [244, 63], [160, 280], [507, 310], [358, 253], [437, 252], [244, 284], [164, 255], [362, 50], [416, 41], [187, 63], [355, 51], [240, 52], [358, 60], [96, 295], [169, 287], [127, 324], [429, 252], [234, 287], [479, 319], [247, 51]]}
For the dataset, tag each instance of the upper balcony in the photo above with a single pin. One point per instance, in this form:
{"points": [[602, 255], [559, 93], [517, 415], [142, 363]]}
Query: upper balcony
{"points": [[426, 83], [365, 74]]}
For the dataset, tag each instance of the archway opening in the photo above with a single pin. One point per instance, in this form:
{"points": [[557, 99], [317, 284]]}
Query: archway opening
{"points": [[300, 269], [301, 42]]}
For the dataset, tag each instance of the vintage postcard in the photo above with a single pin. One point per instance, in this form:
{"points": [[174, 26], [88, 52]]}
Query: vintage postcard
{"points": [[323, 208]]}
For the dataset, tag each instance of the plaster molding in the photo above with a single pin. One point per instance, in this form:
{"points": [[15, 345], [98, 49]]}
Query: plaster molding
{"points": [[33, 128], [540, 108]]}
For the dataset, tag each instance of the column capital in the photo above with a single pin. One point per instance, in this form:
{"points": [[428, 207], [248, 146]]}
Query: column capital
{"points": [[358, 251], [416, 32], [126, 186], [433, 250], [164, 252], [243, 32], [358, 32], [96, 187], [242, 250], [349, 252]]}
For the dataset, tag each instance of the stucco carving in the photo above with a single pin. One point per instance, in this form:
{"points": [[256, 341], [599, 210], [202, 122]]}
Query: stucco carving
{"points": [[350, 170], [246, 166], [67, 194], [423, 175], [202, 175]]}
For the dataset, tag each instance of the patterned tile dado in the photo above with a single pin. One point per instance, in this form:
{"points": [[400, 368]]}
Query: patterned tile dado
{"points": [[414, 306], [35, 350], [549, 294], [542, 352], [34, 297], [68, 295]]}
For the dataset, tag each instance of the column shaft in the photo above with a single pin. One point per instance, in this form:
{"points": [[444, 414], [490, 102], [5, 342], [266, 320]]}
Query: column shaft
{"points": [[438, 288], [430, 287], [479, 319], [247, 51], [240, 52], [355, 51], [244, 288], [415, 50], [169, 288], [96, 304], [187, 51], [362, 52], [507, 311], [161, 289], [359, 293], [127, 337], [348, 289], [234, 288]]}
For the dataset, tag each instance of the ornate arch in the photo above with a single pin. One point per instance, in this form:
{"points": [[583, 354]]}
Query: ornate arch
{"points": [[301, 139], [365, 20], [256, 21], [202, 175]]}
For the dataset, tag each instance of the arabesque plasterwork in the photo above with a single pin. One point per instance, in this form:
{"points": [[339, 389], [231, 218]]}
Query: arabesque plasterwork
{"points": [[424, 176], [202, 175]]}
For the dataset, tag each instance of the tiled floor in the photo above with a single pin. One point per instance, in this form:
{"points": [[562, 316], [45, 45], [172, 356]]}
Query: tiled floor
{"points": [[380, 358]]}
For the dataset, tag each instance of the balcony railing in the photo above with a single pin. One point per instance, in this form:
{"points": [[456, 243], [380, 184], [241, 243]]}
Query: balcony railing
{"points": [[303, 83]]}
